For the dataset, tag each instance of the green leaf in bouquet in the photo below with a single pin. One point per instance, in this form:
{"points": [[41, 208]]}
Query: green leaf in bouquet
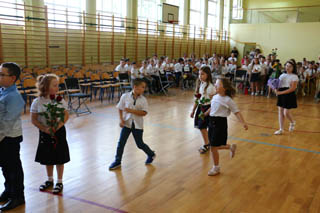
{"points": [[201, 116]]}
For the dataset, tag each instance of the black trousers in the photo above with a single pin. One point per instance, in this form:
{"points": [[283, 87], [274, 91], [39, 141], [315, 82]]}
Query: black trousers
{"points": [[11, 167]]}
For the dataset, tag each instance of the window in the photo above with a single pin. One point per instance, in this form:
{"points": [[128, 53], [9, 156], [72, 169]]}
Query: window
{"points": [[196, 17], [213, 14], [237, 11], [148, 10], [11, 13], [107, 8], [56, 13], [226, 15]]}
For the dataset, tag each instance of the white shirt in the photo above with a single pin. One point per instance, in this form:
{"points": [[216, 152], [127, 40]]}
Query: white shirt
{"points": [[128, 67], [224, 70], [256, 68], [222, 106], [155, 60], [127, 101], [310, 72], [232, 59], [143, 71], [264, 68], [186, 68], [198, 65], [161, 68], [232, 68], [208, 93], [303, 77], [135, 73], [153, 70], [286, 79], [121, 69], [178, 67], [210, 60], [205, 65], [244, 67], [37, 106]]}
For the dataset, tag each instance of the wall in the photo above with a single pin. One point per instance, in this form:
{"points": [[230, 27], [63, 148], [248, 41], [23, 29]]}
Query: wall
{"points": [[248, 4], [293, 40], [13, 42]]}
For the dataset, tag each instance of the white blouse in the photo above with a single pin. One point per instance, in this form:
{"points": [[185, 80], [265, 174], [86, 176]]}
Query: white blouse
{"points": [[222, 106], [210, 91], [287, 79], [37, 106], [256, 68]]}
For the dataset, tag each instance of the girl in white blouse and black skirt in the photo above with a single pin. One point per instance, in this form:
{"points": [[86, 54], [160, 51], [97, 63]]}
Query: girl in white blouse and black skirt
{"points": [[286, 95], [221, 107], [206, 90]]}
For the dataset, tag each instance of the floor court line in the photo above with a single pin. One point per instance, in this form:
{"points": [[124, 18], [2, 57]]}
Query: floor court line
{"points": [[165, 126], [244, 140], [92, 203]]}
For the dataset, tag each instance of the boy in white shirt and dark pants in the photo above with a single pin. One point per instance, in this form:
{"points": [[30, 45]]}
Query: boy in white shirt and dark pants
{"points": [[133, 106]]}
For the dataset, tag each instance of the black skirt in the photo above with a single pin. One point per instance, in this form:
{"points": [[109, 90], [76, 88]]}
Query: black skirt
{"points": [[287, 101], [201, 123], [218, 131], [53, 151], [255, 77]]}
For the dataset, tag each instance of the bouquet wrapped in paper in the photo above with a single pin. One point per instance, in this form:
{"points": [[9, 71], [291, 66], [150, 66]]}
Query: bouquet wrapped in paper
{"points": [[274, 83]]}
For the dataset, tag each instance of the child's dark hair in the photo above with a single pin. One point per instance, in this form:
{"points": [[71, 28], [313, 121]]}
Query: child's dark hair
{"points": [[181, 60], [205, 69], [13, 69], [137, 82], [293, 63], [229, 89]]}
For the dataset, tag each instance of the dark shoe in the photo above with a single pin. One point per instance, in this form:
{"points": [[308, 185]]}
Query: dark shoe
{"points": [[4, 197], [115, 165], [58, 188], [46, 185], [150, 159], [12, 203]]}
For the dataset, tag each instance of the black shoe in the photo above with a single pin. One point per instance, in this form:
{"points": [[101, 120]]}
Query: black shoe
{"points": [[4, 197], [46, 185], [12, 203], [58, 188]]}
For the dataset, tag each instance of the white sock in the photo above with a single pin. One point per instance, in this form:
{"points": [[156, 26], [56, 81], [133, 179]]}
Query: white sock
{"points": [[50, 178], [59, 181], [217, 167]]}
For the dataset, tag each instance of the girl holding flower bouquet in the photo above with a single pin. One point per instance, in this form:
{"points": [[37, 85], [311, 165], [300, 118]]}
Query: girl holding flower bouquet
{"points": [[204, 92], [49, 114]]}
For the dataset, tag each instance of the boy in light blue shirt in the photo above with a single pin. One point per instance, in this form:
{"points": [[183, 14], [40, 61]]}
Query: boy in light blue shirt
{"points": [[11, 106]]}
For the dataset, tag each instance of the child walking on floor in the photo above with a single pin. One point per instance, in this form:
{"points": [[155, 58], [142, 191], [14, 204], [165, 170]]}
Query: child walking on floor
{"points": [[52, 150], [205, 90], [133, 106], [221, 107]]}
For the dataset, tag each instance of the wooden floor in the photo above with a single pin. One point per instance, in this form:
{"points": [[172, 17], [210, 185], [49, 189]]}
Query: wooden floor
{"points": [[268, 174]]}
